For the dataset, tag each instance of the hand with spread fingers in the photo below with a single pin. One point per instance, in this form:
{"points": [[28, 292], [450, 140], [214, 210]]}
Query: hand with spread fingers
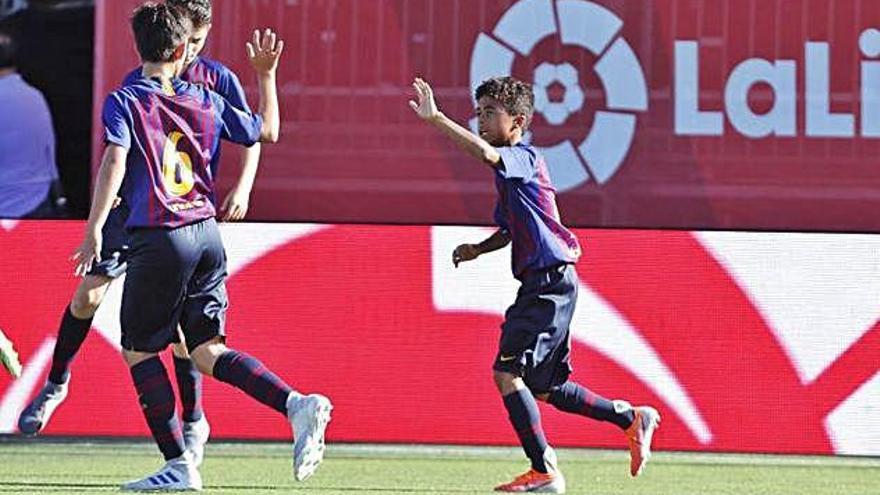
{"points": [[426, 107], [264, 51]]}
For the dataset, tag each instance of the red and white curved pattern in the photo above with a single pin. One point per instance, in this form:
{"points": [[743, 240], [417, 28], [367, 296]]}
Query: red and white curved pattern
{"points": [[746, 341]]}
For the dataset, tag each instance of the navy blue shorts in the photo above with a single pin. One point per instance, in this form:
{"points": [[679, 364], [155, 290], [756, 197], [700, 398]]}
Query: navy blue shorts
{"points": [[115, 249], [114, 262], [535, 338], [175, 276]]}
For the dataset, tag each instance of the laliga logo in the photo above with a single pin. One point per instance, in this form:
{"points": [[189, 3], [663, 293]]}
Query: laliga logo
{"points": [[781, 76], [583, 24]]}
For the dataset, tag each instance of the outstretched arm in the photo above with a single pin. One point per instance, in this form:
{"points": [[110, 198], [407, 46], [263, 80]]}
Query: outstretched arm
{"points": [[426, 109], [467, 252]]}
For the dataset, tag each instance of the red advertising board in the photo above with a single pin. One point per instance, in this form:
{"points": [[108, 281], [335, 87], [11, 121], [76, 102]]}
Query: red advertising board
{"points": [[747, 342], [652, 113]]}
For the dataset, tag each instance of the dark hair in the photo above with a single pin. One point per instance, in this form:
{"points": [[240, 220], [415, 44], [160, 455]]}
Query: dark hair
{"points": [[159, 30], [515, 96], [7, 50], [198, 11]]}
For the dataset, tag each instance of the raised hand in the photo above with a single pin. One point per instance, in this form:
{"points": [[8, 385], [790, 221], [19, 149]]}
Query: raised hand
{"points": [[264, 51], [426, 107]]}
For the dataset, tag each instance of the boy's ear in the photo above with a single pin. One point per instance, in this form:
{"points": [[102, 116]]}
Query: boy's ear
{"points": [[179, 52], [519, 121]]}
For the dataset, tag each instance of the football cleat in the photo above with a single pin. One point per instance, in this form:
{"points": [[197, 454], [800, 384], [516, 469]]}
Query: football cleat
{"points": [[36, 415], [640, 434], [535, 482], [178, 474], [308, 415]]}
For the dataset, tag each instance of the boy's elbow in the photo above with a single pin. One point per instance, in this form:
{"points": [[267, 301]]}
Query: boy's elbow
{"points": [[490, 157], [270, 134]]}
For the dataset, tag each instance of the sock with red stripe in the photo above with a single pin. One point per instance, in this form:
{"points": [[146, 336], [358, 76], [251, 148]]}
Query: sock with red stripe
{"points": [[573, 398], [522, 409], [157, 402], [251, 377]]}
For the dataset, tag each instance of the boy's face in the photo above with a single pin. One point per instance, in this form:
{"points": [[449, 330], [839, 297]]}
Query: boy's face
{"points": [[497, 127], [197, 40]]}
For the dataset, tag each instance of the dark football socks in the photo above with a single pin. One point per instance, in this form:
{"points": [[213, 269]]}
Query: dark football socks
{"points": [[189, 384], [251, 377], [526, 420], [71, 336], [157, 402], [573, 398]]}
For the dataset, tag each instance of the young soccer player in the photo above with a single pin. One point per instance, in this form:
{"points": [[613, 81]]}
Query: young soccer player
{"points": [[89, 295], [533, 357], [220, 79], [161, 134]]}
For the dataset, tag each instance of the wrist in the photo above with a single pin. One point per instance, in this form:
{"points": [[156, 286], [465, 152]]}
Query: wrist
{"points": [[266, 75]]}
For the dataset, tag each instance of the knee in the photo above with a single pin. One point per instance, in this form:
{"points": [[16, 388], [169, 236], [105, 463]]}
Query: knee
{"points": [[205, 367], [85, 303], [507, 383], [134, 358], [179, 350], [205, 355]]}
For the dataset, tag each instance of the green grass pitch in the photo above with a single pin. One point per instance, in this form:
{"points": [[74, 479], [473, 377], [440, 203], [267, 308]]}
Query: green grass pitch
{"points": [[255, 468]]}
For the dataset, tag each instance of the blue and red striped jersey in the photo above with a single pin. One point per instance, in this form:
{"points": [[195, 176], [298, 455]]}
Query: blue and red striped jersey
{"points": [[172, 133], [212, 75], [527, 209]]}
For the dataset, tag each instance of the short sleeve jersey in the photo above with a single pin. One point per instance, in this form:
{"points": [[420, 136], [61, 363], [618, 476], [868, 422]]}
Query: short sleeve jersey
{"points": [[172, 132], [527, 210]]}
